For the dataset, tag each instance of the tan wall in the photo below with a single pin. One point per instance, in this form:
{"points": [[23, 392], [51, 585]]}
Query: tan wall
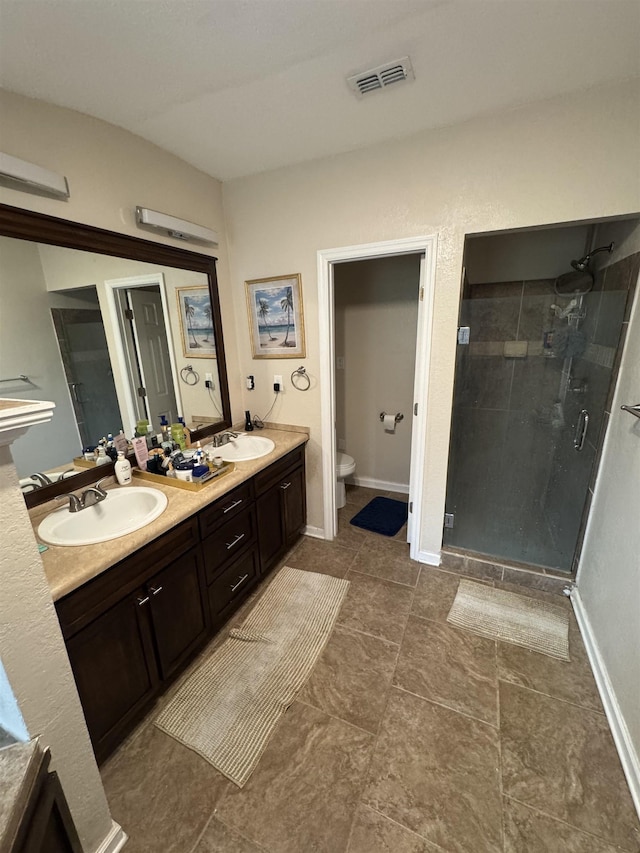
{"points": [[561, 160], [609, 573], [376, 317]]}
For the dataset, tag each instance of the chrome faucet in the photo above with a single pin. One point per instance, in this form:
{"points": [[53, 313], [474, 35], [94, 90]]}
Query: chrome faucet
{"points": [[91, 496], [222, 438], [44, 480]]}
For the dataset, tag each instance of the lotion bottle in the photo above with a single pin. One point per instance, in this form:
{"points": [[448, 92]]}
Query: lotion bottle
{"points": [[122, 469], [102, 458]]}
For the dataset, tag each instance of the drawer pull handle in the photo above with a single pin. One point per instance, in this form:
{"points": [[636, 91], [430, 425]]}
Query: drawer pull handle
{"points": [[240, 582], [284, 486], [238, 538], [142, 601], [232, 506], [155, 590]]}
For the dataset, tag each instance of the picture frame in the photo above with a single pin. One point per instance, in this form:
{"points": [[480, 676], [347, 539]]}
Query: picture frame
{"points": [[276, 320], [196, 322]]}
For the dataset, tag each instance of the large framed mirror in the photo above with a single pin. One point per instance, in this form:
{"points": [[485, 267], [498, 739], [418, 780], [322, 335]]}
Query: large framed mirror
{"points": [[114, 330]]}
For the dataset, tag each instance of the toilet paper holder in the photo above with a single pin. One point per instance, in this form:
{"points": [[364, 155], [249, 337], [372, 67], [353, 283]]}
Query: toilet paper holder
{"points": [[399, 416]]}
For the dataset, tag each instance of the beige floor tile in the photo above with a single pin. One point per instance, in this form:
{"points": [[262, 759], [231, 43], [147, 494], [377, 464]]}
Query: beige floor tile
{"points": [[528, 831], [352, 678], [359, 496], [375, 833], [161, 793], [434, 593], [376, 607], [314, 555], [348, 535], [561, 759], [450, 666], [388, 560], [571, 680], [303, 794], [436, 772], [218, 838]]}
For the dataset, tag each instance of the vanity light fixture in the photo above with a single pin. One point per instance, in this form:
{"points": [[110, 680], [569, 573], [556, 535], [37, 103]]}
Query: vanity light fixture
{"points": [[33, 176], [178, 228]]}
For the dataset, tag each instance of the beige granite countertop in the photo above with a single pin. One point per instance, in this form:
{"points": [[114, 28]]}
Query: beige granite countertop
{"points": [[19, 767], [67, 568]]}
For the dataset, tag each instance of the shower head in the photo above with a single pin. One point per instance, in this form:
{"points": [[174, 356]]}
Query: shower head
{"points": [[582, 265]]}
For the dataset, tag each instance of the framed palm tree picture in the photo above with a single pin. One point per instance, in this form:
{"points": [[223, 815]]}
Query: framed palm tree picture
{"points": [[276, 323], [196, 323]]}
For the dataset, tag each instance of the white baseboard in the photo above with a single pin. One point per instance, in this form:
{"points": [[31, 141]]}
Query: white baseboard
{"points": [[115, 840], [626, 750], [314, 532], [431, 558], [380, 485]]}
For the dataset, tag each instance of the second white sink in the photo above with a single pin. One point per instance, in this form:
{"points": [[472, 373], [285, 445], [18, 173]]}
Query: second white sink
{"points": [[245, 447], [122, 511]]}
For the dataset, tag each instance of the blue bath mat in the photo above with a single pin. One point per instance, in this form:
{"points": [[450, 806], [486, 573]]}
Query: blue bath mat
{"points": [[382, 515]]}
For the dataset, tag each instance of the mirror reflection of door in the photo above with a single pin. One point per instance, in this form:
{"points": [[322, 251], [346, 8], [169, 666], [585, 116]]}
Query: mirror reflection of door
{"points": [[155, 393], [87, 366]]}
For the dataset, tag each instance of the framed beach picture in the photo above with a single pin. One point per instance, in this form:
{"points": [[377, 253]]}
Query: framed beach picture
{"points": [[196, 322], [275, 316]]}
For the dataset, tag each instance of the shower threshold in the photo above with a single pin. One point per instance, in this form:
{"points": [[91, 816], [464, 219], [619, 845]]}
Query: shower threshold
{"points": [[484, 567]]}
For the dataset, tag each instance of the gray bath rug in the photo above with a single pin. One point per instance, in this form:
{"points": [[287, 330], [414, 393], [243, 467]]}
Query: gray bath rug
{"points": [[512, 618], [227, 709]]}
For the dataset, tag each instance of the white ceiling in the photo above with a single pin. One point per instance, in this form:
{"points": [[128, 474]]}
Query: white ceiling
{"points": [[240, 86]]}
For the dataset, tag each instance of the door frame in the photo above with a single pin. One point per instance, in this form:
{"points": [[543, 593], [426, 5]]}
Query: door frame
{"points": [[124, 390], [326, 259]]}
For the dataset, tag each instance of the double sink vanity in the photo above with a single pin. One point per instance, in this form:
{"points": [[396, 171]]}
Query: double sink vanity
{"points": [[135, 609]]}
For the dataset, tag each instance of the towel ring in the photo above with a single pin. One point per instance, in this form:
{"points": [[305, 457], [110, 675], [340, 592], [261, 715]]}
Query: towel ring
{"points": [[187, 374], [298, 376]]}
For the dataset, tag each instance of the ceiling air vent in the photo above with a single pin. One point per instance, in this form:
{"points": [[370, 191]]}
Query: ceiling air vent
{"points": [[379, 78]]}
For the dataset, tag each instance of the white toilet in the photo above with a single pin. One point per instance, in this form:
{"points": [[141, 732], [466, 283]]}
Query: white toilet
{"points": [[345, 467]]}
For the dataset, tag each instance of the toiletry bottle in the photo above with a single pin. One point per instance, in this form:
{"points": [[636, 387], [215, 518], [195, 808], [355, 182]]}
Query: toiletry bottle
{"points": [[177, 434], [164, 428], [102, 458], [248, 425], [122, 469], [186, 433]]}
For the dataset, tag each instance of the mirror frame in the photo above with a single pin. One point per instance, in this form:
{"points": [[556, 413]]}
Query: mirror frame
{"points": [[23, 224]]}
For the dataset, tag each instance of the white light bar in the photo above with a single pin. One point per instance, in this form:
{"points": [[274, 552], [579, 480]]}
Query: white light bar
{"points": [[179, 228], [34, 176]]}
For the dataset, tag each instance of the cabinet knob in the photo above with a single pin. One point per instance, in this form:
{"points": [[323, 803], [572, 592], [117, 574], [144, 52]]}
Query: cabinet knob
{"points": [[232, 506], [238, 538], [142, 601], [155, 590], [284, 486]]}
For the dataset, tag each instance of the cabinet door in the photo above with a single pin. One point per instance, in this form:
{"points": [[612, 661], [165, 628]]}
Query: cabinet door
{"points": [[178, 610], [294, 504], [270, 527], [115, 670]]}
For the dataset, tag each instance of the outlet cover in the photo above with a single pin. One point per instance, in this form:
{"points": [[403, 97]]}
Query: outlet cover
{"points": [[340, 362], [342, 444], [278, 380]]}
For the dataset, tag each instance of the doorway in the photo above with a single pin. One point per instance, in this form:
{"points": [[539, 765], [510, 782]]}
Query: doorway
{"points": [[414, 434], [540, 337]]}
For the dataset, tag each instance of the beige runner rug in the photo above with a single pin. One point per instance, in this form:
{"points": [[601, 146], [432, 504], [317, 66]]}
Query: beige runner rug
{"points": [[228, 708], [512, 618]]}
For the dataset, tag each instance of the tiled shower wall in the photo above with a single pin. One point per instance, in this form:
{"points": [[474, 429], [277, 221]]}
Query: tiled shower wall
{"points": [[516, 484]]}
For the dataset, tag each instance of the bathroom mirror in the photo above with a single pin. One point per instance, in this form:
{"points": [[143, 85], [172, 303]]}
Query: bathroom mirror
{"points": [[113, 329]]}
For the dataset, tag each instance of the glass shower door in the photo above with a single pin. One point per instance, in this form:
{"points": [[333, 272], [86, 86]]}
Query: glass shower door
{"points": [[530, 393]]}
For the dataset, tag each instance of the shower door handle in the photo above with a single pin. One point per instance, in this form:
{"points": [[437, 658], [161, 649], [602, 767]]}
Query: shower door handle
{"points": [[581, 430]]}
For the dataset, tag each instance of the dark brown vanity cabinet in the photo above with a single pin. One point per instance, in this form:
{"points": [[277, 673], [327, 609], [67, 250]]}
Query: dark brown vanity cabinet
{"points": [[281, 506], [131, 629]]}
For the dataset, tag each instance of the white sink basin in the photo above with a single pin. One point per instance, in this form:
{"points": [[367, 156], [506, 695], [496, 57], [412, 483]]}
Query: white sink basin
{"points": [[122, 511], [245, 447]]}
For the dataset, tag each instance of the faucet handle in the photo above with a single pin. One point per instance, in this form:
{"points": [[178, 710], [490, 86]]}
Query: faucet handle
{"points": [[75, 504], [98, 486]]}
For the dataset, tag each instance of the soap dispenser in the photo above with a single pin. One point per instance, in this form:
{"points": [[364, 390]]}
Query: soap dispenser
{"points": [[102, 458], [122, 469]]}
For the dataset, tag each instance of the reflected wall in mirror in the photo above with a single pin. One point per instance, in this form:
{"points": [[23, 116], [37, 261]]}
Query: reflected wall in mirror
{"points": [[99, 333]]}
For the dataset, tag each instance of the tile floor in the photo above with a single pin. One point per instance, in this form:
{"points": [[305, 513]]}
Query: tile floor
{"points": [[410, 737]]}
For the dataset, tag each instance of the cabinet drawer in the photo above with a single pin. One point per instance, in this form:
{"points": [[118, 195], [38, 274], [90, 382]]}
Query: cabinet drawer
{"points": [[265, 479], [231, 586], [232, 538], [224, 509]]}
